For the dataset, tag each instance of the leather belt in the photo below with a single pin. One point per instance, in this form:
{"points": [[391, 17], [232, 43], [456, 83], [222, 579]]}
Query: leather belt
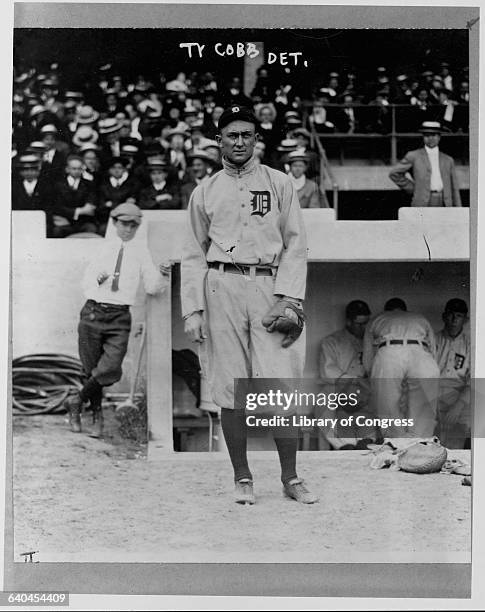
{"points": [[401, 342], [106, 307], [241, 268]]}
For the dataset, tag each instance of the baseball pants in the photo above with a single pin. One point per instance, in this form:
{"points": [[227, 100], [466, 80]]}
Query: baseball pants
{"points": [[238, 346], [454, 394], [411, 363], [103, 333]]}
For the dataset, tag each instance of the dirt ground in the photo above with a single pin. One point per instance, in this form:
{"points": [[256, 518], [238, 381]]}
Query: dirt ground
{"points": [[81, 499]]}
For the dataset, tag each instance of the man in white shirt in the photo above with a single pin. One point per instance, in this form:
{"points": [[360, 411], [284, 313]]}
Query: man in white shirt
{"points": [[433, 181], [110, 283], [453, 357], [399, 354]]}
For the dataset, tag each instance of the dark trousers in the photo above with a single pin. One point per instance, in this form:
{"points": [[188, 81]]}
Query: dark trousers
{"points": [[103, 333]]}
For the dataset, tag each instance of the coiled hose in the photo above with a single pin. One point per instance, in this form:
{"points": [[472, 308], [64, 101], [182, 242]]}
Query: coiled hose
{"points": [[41, 383]]}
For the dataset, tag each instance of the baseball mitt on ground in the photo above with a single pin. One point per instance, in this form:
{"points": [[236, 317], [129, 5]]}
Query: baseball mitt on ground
{"points": [[286, 318], [424, 457]]}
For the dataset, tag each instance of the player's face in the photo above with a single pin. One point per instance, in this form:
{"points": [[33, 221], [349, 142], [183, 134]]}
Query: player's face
{"points": [[237, 141], [357, 326], [454, 322], [126, 230]]}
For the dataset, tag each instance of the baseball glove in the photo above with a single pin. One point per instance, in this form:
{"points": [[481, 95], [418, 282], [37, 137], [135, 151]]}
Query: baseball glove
{"points": [[287, 318], [424, 457]]}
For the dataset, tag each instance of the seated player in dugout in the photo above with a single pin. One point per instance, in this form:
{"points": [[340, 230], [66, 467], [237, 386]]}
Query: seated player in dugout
{"points": [[453, 356], [342, 371]]}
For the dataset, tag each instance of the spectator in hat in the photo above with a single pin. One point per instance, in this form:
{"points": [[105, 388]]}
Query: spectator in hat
{"points": [[309, 194], [112, 104], [74, 205], [86, 115], [161, 194], [321, 118], [422, 108], [380, 116], [117, 187], [281, 157], [445, 74], [341, 370], [177, 151], [92, 164], [303, 139], [268, 129], [435, 89], [234, 95], [453, 354], [70, 120], [445, 111], [346, 118], [433, 181], [84, 135], [213, 150], [210, 122], [198, 171], [109, 130], [29, 191], [54, 158]]}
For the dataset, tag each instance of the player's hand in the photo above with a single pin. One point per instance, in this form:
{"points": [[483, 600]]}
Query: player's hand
{"points": [[452, 416], [164, 268], [102, 277], [195, 327]]}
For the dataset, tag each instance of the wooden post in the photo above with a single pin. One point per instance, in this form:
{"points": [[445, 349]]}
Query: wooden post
{"points": [[159, 374]]}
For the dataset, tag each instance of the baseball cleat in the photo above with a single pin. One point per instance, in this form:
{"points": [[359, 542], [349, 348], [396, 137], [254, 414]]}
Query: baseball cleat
{"points": [[244, 492], [295, 489], [73, 405]]}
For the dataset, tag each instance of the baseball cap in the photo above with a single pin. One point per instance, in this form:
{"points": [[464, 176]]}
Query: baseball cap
{"points": [[127, 212], [356, 308], [456, 305], [236, 113]]}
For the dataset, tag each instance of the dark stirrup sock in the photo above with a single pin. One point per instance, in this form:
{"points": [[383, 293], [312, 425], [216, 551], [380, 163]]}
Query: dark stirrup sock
{"points": [[235, 433], [287, 448], [92, 389]]}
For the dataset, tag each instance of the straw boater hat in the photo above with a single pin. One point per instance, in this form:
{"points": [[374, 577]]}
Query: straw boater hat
{"points": [[200, 154], [28, 161], [37, 147], [86, 115], [288, 144], [37, 110], [85, 134], [157, 163], [50, 128], [297, 156], [175, 131], [108, 126], [88, 146], [430, 127]]}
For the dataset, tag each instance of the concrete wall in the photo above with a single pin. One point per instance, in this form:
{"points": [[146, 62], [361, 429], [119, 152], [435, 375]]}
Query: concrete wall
{"points": [[46, 293]]}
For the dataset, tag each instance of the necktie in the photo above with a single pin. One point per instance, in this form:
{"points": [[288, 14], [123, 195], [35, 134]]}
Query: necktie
{"points": [[116, 275]]}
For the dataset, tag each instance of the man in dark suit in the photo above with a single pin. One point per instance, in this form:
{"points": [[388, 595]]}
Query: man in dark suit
{"points": [[161, 194], [434, 181], [199, 163], [117, 187], [54, 158], [29, 191], [74, 205]]}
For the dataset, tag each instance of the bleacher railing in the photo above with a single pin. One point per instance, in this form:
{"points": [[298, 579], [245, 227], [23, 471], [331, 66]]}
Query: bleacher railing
{"points": [[398, 125]]}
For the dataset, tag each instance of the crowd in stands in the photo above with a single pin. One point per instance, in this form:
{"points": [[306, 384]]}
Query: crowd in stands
{"points": [[79, 152]]}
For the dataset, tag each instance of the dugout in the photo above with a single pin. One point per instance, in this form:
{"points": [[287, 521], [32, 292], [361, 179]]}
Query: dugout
{"points": [[422, 257]]}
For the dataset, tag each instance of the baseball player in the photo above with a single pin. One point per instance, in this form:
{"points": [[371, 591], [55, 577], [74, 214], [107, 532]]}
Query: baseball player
{"points": [[110, 283], [399, 347], [453, 356], [244, 273], [342, 370]]}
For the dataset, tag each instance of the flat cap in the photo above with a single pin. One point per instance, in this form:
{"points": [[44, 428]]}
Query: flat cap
{"points": [[127, 212]]}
